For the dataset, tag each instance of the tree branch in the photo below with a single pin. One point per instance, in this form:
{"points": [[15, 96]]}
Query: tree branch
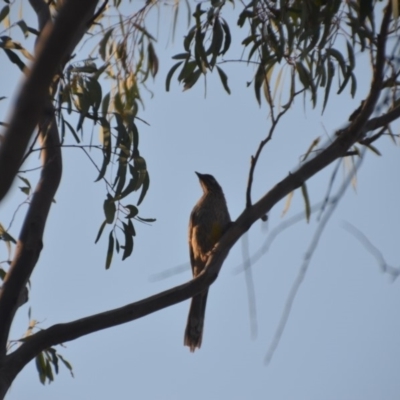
{"points": [[55, 43], [306, 263], [64, 332], [255, 158], [69, 331], [383, 120], [42, 11], [360, 121], [34, 106]]}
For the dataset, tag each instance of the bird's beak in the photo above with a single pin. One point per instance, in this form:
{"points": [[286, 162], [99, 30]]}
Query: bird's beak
{"points": [[198, 174]]}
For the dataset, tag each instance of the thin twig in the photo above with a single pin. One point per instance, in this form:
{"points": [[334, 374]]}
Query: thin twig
{"points": [[255, 158], [306, 262], [170, 272], [251, 296], [330, 185], [385, 267]]}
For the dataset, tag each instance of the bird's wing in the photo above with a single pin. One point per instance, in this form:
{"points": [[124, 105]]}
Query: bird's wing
{"points": [[191, 227]]}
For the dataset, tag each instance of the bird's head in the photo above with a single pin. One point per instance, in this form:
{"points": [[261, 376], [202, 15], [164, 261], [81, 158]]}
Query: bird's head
{"points": [[209, 183]]}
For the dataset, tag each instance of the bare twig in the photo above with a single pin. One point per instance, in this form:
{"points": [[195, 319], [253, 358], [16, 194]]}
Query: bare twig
{"points": [[385, 267], [355, 129], [251, 293], [185, 267], [275, 232], [330, 186], [255, 158], [306, 262]]}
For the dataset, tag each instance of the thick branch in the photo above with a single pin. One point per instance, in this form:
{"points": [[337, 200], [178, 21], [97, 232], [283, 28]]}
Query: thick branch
{"points": [[29, 243], [73, 330], [34, 105], [56, 42], [42, 11], [368, 107], [65, 332], [383, 120]]}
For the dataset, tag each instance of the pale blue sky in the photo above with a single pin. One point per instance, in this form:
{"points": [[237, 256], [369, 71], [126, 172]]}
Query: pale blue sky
{"points": [[342, 340]]}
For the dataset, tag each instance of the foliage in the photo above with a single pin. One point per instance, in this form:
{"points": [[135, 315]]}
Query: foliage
{"points": [[125, 60], [317, 41], [306, 36]]}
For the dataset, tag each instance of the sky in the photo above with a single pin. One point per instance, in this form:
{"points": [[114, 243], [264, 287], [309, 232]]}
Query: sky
{"points": [[342, 339]]}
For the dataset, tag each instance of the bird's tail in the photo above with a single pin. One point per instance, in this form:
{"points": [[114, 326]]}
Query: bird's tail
{"points": [[195, 323]]}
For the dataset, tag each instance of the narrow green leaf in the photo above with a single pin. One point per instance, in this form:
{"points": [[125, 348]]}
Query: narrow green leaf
{"points": [[192, 79], [25, 190], [188, 39], [49, 372], [353, 85], [339, 57], [109, 209], [199, 51], [131, 228], [258, 82], [373, 149], [41, 367], [24, 28], [105, 133], [227, 38], [311, 148], [54, 358], [103, 169], [72, 130], [120, 179], [152, 59], [4, 12], [350, 54], [66, 363], [105, 104], [84, 104], [4, 235], [248, 40], [15, 59], [306, 201], [103, 43], [187, 70], [304, 75], [181, 56], [95, 93], [133, 211], [110, 250], [27, 183], [224, 79], [99, 233], [128, 248], [216, 42], [169, 75], [345, 81], [146, 219], [331, 73], [145, 187]]}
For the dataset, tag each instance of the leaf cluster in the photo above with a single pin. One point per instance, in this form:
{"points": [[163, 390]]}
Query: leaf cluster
{"points": [[125, 60], [317, 40], [207, 40]]}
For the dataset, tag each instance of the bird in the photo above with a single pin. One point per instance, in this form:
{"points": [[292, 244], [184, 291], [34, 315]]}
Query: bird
{"points": [[208, 221]]}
